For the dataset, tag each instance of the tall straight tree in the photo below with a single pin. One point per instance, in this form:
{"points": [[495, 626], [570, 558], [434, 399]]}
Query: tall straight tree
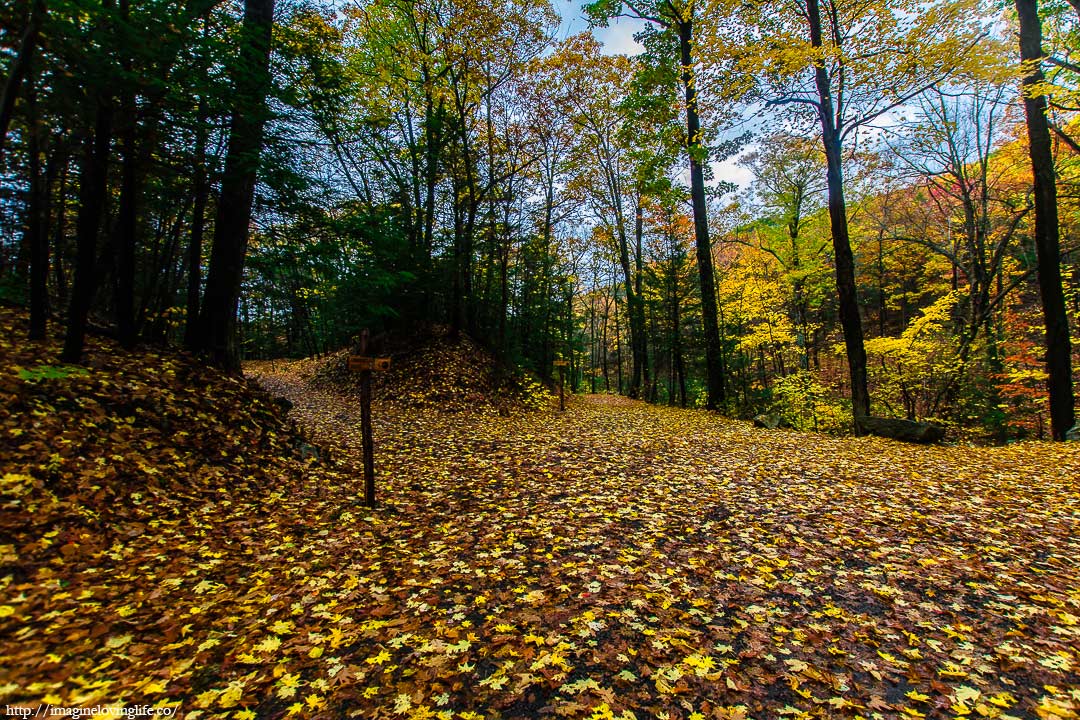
{"points": [[251, 84], [36, 236], [841, 65], [93, 186], [1047, 249], [20, 66], [678, 16], [593, 85]]}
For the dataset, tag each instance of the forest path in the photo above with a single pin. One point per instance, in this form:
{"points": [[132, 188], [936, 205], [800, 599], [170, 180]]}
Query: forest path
{"points": [[621, 556]]}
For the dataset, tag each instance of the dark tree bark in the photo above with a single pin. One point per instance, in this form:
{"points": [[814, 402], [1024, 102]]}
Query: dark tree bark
{"points": [[251, 82], [37, 236], [641, 349], [714, 361], [634, 314], [124, 233], [125, 230], [678, 369], [850, 320], [60, 231], [93, 178], [198, 225], [20, 68], [1047, 248]]}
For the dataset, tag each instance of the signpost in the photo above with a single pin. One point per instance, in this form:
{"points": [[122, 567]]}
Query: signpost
{"points": [[561, 364], [365, 365]]}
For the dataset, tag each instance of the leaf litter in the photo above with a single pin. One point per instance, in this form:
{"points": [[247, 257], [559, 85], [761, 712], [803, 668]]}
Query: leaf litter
{"points": [[617, 560]]}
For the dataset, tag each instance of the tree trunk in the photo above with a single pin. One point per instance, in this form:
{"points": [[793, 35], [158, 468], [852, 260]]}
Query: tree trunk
{"points": [[126, 224], [637, 331], [20, 68], [679, 370], [251, 79], [198, 225], [845, 260], [1048, 252], [59, 232], [642, 350], [714, 365], [37, 238], [93, 177]]}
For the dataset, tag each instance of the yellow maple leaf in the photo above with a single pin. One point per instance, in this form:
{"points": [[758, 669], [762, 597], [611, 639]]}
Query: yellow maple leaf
{"points": [[117, 642], [336, 638], [965, 693], [379, 659], [232, 695], [918, 696], [269, 644], [1003, 700], [206, 699]]}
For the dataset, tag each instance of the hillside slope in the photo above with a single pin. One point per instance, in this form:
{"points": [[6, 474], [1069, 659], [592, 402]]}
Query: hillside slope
{"points": [[428, 372], [133, 491]]}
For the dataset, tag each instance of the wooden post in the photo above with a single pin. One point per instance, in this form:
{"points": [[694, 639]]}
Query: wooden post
{"points": [[365, 426], [365, 365], [561, 364]]}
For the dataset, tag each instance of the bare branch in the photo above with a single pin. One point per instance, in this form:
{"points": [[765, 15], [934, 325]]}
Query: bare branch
{"points": [[1064, 136]]}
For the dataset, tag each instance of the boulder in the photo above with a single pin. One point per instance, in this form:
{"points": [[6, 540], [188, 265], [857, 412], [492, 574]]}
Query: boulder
{"points": [[1073, 433], [769, 422], [904, 430]]}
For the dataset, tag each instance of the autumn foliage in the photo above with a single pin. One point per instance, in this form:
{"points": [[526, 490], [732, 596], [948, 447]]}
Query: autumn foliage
{"points": [[168, 540]]}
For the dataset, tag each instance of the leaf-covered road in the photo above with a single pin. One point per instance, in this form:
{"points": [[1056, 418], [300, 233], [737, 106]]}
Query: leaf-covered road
{"points": [[163, 541], [629, 561]]}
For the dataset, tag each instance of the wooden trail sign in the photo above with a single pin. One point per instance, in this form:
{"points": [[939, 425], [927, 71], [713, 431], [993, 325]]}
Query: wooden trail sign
{"points": [[358, 363], [365, 365]]}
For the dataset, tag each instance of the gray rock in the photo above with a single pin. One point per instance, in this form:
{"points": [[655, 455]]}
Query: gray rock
{"points": [[904, 430], [769, 422]]}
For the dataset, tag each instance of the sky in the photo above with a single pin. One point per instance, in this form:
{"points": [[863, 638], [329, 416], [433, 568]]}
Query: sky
{"points": [[618, 38]]}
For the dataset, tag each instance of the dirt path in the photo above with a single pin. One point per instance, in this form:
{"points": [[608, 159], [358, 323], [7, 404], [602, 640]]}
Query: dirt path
{"points": [[623, 560]]}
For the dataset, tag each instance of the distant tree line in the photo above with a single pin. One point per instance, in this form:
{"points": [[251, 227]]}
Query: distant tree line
{"points": [[244, 180]]}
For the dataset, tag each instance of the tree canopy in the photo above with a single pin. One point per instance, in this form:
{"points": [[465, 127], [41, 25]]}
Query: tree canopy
{"points": [[834, 169]]}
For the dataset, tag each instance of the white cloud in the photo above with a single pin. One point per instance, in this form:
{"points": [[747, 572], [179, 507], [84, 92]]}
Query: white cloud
{"points": [[617, 38], [732, 172]]}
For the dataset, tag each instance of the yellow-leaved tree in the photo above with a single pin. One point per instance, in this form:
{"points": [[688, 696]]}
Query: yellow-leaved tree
{"points": [[916, 370], [840, 66]]}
